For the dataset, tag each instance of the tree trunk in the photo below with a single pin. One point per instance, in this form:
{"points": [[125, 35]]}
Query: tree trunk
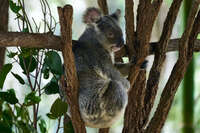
{"points": [[4, 4]]}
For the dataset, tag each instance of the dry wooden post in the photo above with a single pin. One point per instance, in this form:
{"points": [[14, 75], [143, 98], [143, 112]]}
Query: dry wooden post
{"points": [[71, 91], [4, 4]]}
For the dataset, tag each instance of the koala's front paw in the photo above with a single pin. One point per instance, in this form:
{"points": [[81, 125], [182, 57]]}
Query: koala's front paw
{"points": [[134, 60]]}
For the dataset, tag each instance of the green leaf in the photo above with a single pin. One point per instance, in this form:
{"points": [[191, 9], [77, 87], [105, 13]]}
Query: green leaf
{"points": [[69, 127], [31, 99], [25, 30], [18, 110], [53, 61], [12, 54], [51, 116], [5, 128], [21, 81], [43, 126], [52, 87], [3, 73], [58, 108], [45, 71], [26, 128], [9, 96], [8, 117], [30, 63], [14, 7]]}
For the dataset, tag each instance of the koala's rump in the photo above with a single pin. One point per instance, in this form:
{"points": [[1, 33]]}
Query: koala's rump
{"points": [[100, 109]]}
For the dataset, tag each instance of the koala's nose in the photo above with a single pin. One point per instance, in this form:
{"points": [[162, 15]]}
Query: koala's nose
{"points": [[120, 42]]}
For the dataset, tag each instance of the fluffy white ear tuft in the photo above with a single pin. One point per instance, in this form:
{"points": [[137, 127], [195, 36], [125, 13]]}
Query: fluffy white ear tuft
{"points": [[91, 15], [116, 14]]}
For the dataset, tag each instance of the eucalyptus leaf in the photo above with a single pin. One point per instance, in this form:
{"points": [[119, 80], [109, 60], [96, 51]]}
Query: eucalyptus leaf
{"points": [[43, 126], [58, 108], [12, 54], [14, 7], [3, 73], [26, 127], [31, 99], [51, 116], [9, 96], [28, 63], [52, 87], [53, 61], [45, 71], [5, 128], [20, 79]]}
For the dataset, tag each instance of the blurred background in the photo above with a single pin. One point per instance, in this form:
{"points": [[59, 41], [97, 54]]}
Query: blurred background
{"points": [[174, 123]]}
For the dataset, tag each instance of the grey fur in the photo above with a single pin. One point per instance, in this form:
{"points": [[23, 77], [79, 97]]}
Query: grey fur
{"points": [[103, 90]]}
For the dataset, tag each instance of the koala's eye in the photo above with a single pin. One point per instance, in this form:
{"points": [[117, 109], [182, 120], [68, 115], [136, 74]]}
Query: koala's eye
{"points": [[110, 35]]}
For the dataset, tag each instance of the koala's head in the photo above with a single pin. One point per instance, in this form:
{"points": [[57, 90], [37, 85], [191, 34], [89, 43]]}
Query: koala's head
{"points": [[108, 32]]}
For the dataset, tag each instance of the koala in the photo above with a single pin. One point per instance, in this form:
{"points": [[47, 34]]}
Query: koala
{"points": [[102, 88]]}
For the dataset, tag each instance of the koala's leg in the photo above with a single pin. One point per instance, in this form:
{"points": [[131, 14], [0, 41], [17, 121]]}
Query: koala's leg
{"points": [[115, 97]]}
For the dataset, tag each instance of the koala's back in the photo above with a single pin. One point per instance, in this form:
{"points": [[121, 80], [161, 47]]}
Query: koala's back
{"points": [[91, 56], [94, 69]]}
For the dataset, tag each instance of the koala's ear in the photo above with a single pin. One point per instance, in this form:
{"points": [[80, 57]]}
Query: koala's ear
{"points": [[117, 14], [91, 15]]}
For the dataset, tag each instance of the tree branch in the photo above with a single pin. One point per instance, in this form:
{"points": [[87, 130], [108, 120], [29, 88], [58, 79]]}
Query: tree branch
{"points": [[71, 91], [177, 74], [130, 39], [160, 54], [49, 41]]}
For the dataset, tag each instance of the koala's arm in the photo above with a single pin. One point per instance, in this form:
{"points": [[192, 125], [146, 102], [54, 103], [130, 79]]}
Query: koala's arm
{"points": [[124, 68]]}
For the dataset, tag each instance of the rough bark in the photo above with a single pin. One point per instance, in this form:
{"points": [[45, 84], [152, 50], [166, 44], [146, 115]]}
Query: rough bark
{"points": [[4, 4], [104, 130], [103, 6], [177, 74], [140, 50], [49, 41], [133, 115], [71, 91], [159, 58]]}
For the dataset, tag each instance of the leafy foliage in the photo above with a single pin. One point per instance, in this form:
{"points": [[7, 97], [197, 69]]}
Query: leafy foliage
{"points": [[9, 96], [37, 64], [31, 99]]}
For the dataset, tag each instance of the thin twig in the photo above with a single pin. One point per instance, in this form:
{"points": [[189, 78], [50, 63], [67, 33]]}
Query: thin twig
{"points": [[58, 128]]}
